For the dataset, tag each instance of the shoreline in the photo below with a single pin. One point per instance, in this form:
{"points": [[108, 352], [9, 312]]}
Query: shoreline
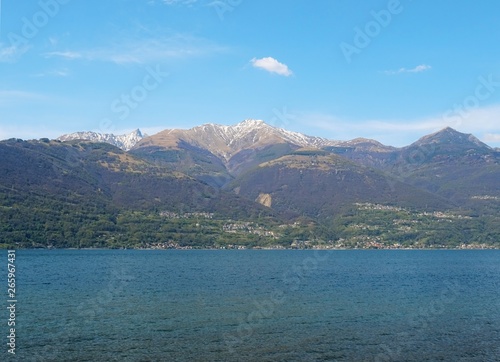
{"points": [[258, 248]]}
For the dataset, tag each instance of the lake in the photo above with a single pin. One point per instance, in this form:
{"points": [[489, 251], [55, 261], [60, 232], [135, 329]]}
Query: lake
{"points": [[256, 305]]}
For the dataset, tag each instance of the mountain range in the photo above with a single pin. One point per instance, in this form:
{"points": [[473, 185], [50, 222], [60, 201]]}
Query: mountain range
{"points": [[257, 183]]}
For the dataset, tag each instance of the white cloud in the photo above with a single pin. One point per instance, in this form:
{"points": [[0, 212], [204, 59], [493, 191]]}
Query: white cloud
{"points": [[142, 51], [183, 2], [146, 131], [174, 2], [27, 132], [11, 53], [492, 137], [272, 66], [13, 96], [64, 54], [418, 69], [54, 73]]}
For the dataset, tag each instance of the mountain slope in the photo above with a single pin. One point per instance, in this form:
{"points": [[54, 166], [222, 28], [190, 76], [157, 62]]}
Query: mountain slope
{"points": [[445, 163], [320, 185], [216, 154], [449, 163], [76, 192], [366, 152], [452, 164]]}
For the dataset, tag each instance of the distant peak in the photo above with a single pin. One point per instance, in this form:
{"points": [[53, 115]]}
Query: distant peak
{"points": [[124, 141], [251, 122], [449, 135], [366, 144], [363, 140], [449, 130]]}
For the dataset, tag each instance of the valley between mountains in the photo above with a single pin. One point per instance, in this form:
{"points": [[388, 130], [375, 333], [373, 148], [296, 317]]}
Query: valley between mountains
{"points": [[250, 185]]}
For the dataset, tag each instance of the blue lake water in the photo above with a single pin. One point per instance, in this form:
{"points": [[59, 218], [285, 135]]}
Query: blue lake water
{"points": [[255, 305]]}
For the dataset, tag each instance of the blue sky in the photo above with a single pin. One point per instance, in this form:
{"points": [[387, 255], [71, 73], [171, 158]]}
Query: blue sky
{"points": [[392, 70]]}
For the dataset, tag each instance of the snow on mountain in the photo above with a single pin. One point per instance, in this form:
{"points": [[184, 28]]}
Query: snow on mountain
{"points": [[246, 127], [125, 141], [226, 141]]}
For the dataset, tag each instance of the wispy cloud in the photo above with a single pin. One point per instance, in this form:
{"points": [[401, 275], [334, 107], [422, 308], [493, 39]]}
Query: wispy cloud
{"points": [[272, 66], [13, 96], [173, 2], [492, 137], [179, 2], [418, 69], [28, 132], [54, 73], [482, 122], [11, 53], [142, 51], [146, 131], [64, 54]]}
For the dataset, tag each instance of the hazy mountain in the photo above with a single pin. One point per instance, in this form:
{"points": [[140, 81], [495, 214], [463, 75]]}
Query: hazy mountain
{"points": [[448, 163], [447, 142], [452, 138], [365, 151], [451, 164], [125, 142]]}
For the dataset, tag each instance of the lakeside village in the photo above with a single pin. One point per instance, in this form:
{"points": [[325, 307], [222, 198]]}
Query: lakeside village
{"points": [[360, 240], [311, 245]]}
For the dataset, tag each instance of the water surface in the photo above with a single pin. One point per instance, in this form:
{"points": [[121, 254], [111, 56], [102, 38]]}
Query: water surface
{"points": [[256, 305]]}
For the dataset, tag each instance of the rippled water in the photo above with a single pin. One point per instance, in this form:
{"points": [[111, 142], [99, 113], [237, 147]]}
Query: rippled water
{"points": [[251, 305]]}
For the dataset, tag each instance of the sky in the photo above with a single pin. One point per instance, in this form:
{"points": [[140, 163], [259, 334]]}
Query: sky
{"points": [[390, 70]]}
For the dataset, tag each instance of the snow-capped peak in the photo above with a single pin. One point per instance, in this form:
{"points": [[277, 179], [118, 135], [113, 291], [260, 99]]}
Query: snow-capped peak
{"points": [[226, 141], [221, 140], [125, 141]]}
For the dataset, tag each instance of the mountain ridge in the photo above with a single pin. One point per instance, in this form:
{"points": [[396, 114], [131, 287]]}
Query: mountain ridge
{"points": [[218, 154], [227, 141], [125, 141], [450, 135], [233, 137]]}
